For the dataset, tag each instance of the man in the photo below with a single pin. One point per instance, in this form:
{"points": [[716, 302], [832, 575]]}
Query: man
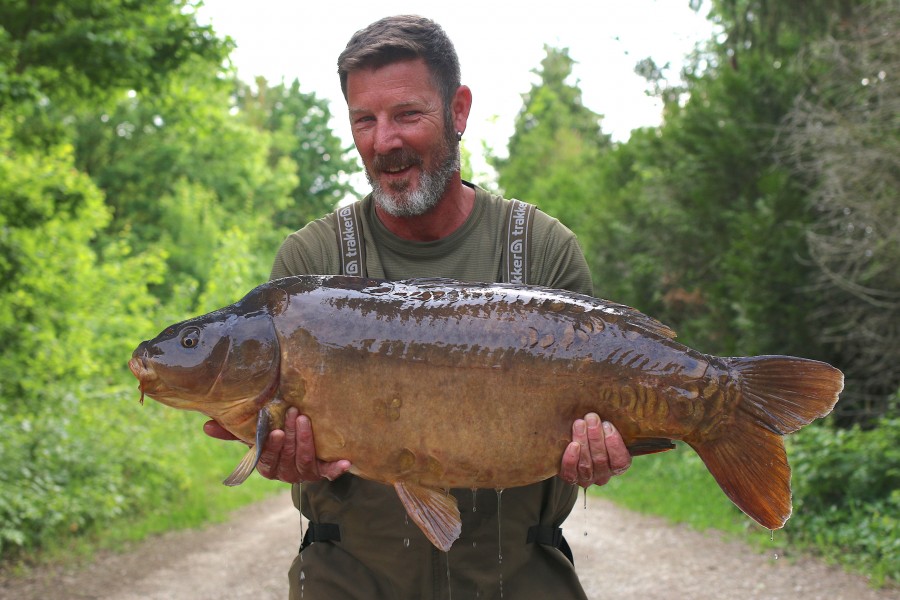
{"points": [[408, 111]]}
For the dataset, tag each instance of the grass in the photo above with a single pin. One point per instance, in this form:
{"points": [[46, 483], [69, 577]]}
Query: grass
{"points": [[676, 485]]}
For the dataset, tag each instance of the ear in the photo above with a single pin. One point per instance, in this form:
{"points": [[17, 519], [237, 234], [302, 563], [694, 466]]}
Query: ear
{"points": [[461, 105]]}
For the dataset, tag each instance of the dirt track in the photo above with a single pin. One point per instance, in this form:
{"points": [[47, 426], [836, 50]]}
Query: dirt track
{"points": [[619, 554]]}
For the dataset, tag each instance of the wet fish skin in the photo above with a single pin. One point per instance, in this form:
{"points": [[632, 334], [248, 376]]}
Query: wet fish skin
{"points": [[434, 384]]}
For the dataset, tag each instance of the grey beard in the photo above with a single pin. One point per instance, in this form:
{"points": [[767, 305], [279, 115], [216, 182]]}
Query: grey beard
{"points": [[432, 185]]}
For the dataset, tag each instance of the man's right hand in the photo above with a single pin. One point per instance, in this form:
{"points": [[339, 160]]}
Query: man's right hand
{"points": [[289, 455]]}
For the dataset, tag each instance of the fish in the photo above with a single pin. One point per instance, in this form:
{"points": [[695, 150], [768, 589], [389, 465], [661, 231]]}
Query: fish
{"points": [[432, 384]]}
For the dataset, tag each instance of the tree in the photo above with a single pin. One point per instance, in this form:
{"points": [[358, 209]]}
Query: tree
{"points": [[556, 142], [58, 54], [299, 125], [842, 137]]}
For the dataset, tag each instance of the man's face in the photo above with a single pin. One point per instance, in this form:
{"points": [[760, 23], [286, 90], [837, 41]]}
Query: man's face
{"points": [[398, 123]]}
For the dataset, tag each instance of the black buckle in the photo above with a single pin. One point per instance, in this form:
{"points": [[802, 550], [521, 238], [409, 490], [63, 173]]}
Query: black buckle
{"points": [[321, 532], [546, 535]]}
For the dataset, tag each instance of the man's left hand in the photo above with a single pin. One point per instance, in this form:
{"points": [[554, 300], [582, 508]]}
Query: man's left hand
{"points": [[596, 453]]}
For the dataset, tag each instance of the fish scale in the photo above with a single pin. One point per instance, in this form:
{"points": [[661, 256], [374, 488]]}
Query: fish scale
{"points": [[432, 384]]}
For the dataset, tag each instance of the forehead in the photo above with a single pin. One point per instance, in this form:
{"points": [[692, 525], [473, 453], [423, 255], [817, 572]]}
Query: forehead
{"points": [[398, 82]]}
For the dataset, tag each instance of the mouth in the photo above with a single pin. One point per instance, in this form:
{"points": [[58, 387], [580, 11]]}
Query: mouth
{"points": [[144, 374], [397, 164]]}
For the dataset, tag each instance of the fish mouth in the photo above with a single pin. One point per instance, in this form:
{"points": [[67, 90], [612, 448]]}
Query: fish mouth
{"points": [[145, 374]]}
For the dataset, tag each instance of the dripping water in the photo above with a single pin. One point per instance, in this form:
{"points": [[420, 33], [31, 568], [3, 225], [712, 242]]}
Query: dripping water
{"points": [[500, 539], [406, 524], [449, 586], [302, 573], [474, 504]]}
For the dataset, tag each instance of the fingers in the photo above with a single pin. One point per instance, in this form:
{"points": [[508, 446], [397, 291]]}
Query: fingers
{"points": [[271, 456], [619, 457], [305, 462], [596, 453], [213, 429], [290, 455], [568, 471]]}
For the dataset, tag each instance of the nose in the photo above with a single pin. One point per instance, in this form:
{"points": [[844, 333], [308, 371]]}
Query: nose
{"points": [[386, 137]]}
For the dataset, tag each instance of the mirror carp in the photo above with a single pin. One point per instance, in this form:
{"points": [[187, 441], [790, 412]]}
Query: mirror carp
{"points": [[432, 384]]}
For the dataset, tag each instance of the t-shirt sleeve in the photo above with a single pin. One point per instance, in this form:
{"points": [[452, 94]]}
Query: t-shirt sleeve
{"points": [[558, 259], [310, 251]]}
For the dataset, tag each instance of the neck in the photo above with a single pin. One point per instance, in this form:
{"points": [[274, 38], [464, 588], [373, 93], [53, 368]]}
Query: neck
{"points": [[447, 216]]}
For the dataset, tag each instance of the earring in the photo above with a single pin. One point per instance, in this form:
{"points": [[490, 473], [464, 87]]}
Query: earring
{"points": [[458, 135]]}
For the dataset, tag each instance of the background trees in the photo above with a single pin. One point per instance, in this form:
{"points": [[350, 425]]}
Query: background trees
{"points": [[141, 183]]}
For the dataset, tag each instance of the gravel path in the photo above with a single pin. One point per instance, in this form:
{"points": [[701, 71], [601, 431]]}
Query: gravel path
{"points": [[619, 554]]}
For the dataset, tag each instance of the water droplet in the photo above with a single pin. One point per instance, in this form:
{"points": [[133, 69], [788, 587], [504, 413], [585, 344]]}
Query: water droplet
{"points": [[449, 587], [500, 539]]}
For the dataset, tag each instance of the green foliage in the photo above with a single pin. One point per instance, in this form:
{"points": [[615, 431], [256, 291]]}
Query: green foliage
{"points": [[842, 135], [133, 193], [72, 51], [556, 142], [298, 123], [847, 495], [677, 485]]}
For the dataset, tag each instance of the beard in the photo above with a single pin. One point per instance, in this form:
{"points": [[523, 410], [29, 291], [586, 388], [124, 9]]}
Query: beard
{"points": [[398, 200]]}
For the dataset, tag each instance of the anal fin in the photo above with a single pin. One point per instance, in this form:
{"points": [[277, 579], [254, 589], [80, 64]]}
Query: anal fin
{"points": [[433, 510]]}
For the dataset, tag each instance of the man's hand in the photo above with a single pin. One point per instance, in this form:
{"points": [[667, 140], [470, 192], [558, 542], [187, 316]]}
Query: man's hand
{"points": [[289, 455], [597, 452]]}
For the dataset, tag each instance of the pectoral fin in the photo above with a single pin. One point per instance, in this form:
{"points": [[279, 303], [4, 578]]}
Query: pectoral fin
{"points": [[644, 446], [433, 510], [251, 458]]}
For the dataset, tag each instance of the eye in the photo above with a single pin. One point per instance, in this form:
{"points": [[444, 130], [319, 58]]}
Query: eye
{"points": [[190, 338]]}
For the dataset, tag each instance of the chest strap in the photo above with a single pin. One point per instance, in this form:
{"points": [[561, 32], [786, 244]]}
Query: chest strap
{"points": [[517, 241], [351, 240]]}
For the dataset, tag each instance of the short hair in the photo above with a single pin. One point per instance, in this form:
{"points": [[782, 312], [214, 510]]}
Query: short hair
{"points": [[403, 37]]}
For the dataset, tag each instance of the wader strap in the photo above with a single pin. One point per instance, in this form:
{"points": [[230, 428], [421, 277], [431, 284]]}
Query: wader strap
{"points": [[321, 532], [547, 535], [351, 240], [517, 241]]}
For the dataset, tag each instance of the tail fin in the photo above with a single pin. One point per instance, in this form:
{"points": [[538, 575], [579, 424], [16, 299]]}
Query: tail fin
{"points": [[779, 395]]}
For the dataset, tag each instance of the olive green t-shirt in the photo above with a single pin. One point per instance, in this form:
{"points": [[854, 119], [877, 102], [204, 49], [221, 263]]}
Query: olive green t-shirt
{"points": [[473, 252], [382, 554]]}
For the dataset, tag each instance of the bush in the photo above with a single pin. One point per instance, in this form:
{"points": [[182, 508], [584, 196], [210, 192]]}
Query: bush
{"points": [[847, 495]]}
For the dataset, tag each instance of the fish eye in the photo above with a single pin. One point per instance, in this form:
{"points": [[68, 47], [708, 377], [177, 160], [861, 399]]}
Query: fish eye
{"points": [[190, 338]]}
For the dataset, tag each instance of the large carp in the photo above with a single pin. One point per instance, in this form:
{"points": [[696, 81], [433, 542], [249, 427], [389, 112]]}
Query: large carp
{"points": [[434, 384]]}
